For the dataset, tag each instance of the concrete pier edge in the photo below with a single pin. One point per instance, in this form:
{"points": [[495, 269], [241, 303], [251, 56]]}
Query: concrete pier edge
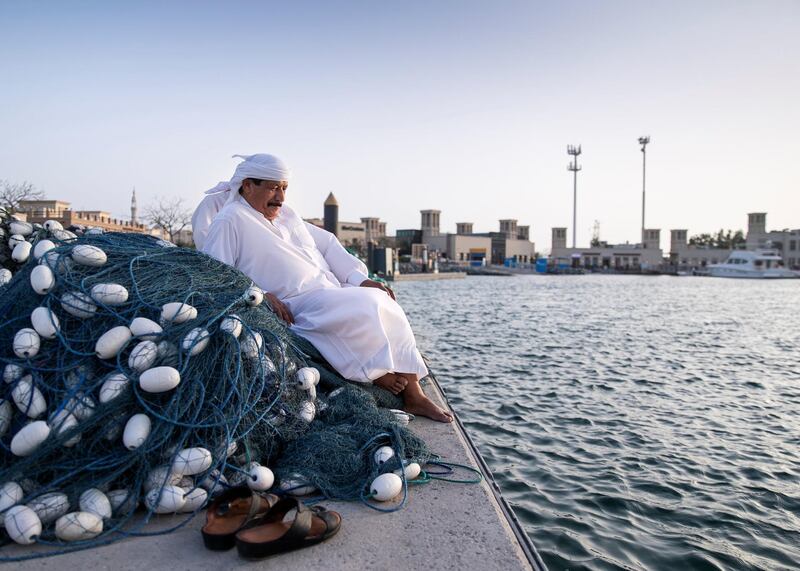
{"points": [[507, 512]]}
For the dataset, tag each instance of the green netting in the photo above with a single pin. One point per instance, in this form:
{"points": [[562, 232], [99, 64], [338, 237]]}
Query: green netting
{"points": [[237, 399]]}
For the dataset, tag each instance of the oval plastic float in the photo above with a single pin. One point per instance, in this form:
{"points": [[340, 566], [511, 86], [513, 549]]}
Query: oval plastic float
{"points": [[28, 398], [42, 247], [191, 461], [78, 526], [42, 279], [45, 322], [159, 379], [109, 294], [137, 429], [261, 478], [231, 325], [177, 312], [87, 255], [94, 501], [111, 342], [50, 507], [253, 296], [113, 386], [78, 304], [20, 227], [22, 525], [29, 438], [195, 341], [167, 500], [143, 356], [385, 487], [21, 252], [145, 328], [26, 343]]}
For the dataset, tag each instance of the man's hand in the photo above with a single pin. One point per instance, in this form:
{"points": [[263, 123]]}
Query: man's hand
{"points": [[279, 309], [378, 285]]}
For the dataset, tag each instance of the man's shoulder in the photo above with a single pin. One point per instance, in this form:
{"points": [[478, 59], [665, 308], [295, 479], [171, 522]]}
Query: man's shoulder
{"points": [[230, 211], [218, 198]]}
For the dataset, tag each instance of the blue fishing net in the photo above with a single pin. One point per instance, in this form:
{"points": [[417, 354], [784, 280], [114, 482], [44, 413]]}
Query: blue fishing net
{"points": [[238, 398]]}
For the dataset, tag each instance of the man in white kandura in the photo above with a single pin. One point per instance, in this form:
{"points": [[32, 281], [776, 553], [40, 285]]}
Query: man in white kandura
{"points": [[313, 283]]}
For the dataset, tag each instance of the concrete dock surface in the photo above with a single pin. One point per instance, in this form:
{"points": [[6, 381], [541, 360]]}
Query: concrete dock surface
{"points": [[443, 526]]}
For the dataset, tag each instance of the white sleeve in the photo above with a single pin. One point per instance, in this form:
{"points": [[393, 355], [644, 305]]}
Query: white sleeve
{"points": [[222, 242], [346, 267], [201, 221]]}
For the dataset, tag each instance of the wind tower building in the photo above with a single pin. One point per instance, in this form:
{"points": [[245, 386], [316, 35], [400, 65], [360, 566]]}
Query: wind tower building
{"points": [[756, 230], [430, 223], [463, 228], [559, 238], [331, 215], [508, 227], [651, 238]]}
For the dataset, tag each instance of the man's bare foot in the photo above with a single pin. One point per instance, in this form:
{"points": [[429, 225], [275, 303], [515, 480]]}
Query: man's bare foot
{"points": [[393, 383], [421, 405]]}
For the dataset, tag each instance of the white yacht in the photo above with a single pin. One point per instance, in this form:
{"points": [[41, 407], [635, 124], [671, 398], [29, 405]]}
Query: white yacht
{"points": [[762, 264]]}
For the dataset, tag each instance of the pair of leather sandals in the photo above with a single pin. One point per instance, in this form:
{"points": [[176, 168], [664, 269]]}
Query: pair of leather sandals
{"points": [[260, 525]]}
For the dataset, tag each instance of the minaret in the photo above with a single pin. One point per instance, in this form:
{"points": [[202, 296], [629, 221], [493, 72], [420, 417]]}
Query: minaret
{"points": [[133, 207], [331, 216]]}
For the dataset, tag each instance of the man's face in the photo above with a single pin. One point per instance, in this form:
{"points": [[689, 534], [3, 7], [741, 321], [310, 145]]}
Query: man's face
{"points": [[266, 196]]}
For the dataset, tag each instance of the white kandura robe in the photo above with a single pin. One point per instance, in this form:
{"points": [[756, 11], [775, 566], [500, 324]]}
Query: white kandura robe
{"points": [[361, 332], [212, 203]]}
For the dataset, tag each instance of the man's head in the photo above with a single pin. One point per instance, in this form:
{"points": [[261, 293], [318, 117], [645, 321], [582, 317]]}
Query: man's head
{"points": [[266, 196], [262, 180]]}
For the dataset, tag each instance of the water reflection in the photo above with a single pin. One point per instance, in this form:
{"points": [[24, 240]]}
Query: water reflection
{"points": [[633, 422]]}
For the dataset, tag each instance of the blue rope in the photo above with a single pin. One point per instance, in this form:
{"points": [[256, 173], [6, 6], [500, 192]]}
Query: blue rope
{"points": [[223, 397]]}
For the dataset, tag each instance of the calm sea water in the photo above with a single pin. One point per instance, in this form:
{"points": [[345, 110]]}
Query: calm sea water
{"points": [[633, 422]]}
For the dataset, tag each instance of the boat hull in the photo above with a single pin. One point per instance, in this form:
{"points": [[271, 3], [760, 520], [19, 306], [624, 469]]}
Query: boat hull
{"points": [[752, 274]]}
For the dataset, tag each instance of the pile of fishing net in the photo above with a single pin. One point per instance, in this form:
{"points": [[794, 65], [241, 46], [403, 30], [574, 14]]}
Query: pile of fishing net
{"points": [[142, 378], [16, 241]]}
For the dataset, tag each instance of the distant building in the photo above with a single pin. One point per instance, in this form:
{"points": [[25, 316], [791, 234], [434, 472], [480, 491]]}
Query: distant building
{"points": [[38, 211], [350, 234], [511, 243], [688, 256], [134, 208], [331, 215], [463, 228], [430, 223], [461, 248], [509, 228], [634, 257], [374, 229], [404, 240], [785, 241], [185, 237]]}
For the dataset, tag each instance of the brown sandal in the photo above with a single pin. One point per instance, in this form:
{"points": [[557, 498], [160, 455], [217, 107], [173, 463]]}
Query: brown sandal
{"points": [[270, 534], [230, 512]]}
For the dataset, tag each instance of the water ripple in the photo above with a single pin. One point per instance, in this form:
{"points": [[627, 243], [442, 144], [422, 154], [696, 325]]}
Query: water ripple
{"points": [[633, 422]]}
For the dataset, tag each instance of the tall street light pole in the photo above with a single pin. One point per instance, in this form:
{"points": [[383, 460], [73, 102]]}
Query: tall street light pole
{"points": [[643, 141], [573, 166]]}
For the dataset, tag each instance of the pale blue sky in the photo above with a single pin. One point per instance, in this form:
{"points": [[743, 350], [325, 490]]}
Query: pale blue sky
{"points": [[395, 107]]}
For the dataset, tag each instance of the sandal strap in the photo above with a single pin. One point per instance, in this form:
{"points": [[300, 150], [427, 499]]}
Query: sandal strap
{"points": [[255, 505], [222, 503], [301, 525]]}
